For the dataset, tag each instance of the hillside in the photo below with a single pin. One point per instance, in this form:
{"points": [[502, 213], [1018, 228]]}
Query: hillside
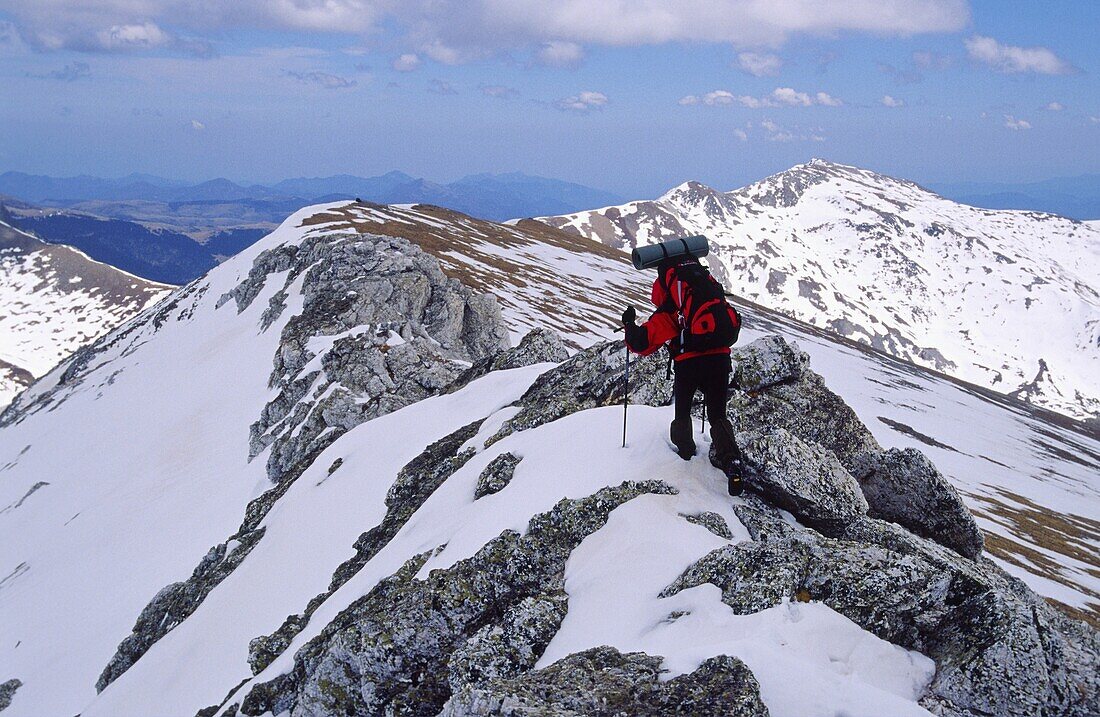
{"points": [[341, 492], [1002, 299], [54, 300]]}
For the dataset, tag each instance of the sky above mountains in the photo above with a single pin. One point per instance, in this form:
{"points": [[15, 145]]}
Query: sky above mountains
{"points": [[633, 97]]}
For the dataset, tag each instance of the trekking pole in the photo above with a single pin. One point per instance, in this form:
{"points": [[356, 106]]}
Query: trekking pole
{"points": [[626, 394], [704, 416]]}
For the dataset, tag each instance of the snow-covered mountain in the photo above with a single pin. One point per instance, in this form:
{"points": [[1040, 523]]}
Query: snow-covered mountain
{"points": [[53, 300], [316, 481], [1003, 299]]}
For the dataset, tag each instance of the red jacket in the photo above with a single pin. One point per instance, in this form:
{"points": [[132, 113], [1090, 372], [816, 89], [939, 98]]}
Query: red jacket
{"points": [[663, 325]]}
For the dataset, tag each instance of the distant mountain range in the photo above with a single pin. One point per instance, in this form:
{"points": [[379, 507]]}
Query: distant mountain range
{"points": [[1005, 300], [488, 196], [1072, 197]]}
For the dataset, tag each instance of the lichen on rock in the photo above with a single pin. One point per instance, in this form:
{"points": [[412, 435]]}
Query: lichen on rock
{"points": [[496, 475], [603, 682], [388, 651]]}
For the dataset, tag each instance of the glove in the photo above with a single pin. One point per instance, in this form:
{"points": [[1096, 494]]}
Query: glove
{"points": [[629, 316]]}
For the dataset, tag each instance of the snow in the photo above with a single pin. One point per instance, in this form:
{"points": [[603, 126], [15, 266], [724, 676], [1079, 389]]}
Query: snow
{"points": [[980, 294], [47, 311], [147, 467]]}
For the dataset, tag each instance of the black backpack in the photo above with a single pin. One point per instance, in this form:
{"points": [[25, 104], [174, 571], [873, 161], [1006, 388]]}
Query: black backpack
{"points": [[707, 321]]}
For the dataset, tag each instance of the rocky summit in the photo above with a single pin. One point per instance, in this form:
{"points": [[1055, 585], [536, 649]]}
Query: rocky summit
{"points": [[368, 493]]}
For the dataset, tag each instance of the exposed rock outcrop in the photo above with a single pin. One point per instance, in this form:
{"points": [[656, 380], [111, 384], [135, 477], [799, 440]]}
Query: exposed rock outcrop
{"points": [[388, 651], [603, 682], [538, 346], [984, 629], [904, 487], [803, 478], [899, 485], [413, 332], [7, 692], [496, 475], [591, 378]]}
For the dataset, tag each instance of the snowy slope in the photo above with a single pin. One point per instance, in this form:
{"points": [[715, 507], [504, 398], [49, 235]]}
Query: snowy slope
{"points": [[89, 534], [53, 300], [1003, 299]]}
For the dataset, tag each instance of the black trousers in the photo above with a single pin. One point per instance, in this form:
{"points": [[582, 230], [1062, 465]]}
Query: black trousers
{"points": [[711, 375]]}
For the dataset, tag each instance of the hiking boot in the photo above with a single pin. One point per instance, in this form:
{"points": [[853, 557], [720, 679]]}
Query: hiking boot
{"points": [[734, 483], [680, 435]]}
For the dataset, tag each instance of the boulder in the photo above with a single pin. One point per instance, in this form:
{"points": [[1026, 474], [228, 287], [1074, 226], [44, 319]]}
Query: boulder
{"points": [[766, 362], [805, 479], [603, 682], [999, 648], [496, 475], [904, 487]]}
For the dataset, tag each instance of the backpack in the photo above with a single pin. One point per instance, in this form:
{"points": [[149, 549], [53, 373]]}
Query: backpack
{"points": [[707, 320]]}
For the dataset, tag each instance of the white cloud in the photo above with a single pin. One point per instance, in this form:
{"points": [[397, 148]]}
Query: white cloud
{"points": [[769, 125], [197, 126], [470, 28], [145, 36], [1016, 124], [892, 101], [583, 102], [791, 98], [759, 65], [407, 62], [558, 53], [719, 97], [1056, 107], [444, 53], [741, 135], [1094, 119], [779, 97], [1012, 59]]}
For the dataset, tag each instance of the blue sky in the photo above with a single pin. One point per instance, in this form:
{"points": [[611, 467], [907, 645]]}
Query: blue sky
{"points": [[633, 97]]}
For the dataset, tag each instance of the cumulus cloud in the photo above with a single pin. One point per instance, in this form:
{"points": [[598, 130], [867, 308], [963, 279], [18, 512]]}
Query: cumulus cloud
{"points": [[889, 101], [741, 135], [790, 97], [779, 97], [759, 65], [558, 53], [197, 126], [322, 79], [1056, 107], [406, 63], [1011, 59], [125, 38], [469, 27], [583, 102], [1016, 124]]}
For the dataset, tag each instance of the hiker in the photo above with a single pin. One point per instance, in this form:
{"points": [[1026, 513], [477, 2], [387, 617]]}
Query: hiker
{"points": [[697, 324]]}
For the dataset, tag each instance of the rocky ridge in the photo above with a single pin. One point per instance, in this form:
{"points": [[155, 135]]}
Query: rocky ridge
{"points": [[465, 640]]}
